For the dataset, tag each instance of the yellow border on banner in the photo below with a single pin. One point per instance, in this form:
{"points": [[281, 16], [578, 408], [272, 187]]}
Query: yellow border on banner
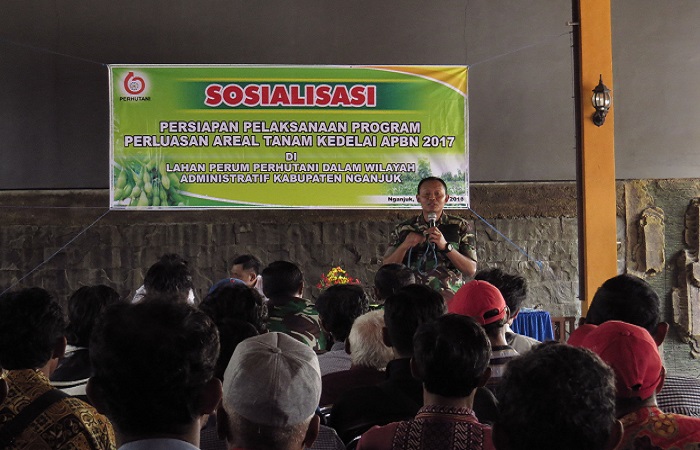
{"points": [[455, 77]]}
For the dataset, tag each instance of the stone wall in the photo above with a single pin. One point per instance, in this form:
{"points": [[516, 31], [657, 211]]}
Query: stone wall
{"points": [[117, 247], [61, 240]]}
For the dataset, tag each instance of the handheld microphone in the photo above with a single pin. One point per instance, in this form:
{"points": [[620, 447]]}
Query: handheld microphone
{"points": [[432, 219]]}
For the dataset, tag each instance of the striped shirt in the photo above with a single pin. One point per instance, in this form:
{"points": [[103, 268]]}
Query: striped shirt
{"points": [[680, 395], [500, 355]]}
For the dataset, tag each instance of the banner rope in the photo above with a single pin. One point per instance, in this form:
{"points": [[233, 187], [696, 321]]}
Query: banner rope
{"points": [[544, 40], [540, 264], [56, 252], [49, 51]]}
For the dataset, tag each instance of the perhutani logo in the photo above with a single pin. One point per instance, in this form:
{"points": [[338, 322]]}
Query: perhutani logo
{"points": [[133, 86]]}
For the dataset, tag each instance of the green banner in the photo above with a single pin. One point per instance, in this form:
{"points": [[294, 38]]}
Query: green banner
{"points": [[286, 136]]}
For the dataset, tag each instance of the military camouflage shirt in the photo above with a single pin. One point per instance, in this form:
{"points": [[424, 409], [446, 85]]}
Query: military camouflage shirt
{"points": [[298, 318], [430, 266]]}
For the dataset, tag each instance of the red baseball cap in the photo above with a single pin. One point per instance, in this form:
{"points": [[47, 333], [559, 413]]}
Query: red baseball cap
{"points": [[629, 350], [579, 334], [479, 300]]}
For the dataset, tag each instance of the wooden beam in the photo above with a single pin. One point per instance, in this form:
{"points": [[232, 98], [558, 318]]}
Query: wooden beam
{"points": [[596, 156]]}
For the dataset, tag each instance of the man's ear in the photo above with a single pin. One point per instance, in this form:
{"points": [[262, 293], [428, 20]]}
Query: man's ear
{"points": [[252, 276], [312, 431], [663, 379], [210, 396], [616, 434], [414, 369], [59, 348], [515, 314], [660, 333], [385, 337]]}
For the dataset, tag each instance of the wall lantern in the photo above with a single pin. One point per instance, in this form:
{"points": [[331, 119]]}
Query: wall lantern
{"points": [[601, 102]]}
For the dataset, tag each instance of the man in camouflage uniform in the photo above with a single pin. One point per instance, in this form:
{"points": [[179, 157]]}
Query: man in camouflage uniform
{"points": [[289, 313], [438, 255]]}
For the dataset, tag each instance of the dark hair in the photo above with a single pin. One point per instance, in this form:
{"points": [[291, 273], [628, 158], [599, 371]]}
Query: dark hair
{"points": [[231, 333], [170, 274], [626, 298], [281, 278], [406, 310], [31, 323], [84, 306], [426, 179], [236, 301], [512, 287], [557, 397], [339, 305], [391, 277], [151, 360], [248, 262], [451, 354], [493, 329]]}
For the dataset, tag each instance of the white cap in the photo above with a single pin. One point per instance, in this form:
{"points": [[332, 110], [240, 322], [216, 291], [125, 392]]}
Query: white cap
{"points": [[273, 379]]}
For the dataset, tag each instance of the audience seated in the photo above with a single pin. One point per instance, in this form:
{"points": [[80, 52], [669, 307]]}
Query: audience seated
{"points": [[451, 358], [272, 386], [247, 268], [632, 354], [84, 307], [483, 302], [632, 300], [369, 358], [557, 397], [338, 306], [169, 276], [288, 312], [389, 278], [400, 396], [34, 415], [236, 301], [154, 372], [514, 291]]}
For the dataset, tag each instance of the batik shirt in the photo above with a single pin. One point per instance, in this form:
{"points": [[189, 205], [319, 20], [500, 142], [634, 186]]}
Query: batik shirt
{"points": [[298, 318], [432, 267], [69, 423], [650, 429], [434, 428]]}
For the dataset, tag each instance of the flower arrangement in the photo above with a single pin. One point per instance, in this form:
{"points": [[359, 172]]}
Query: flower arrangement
{"points": [[337, 275]]}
